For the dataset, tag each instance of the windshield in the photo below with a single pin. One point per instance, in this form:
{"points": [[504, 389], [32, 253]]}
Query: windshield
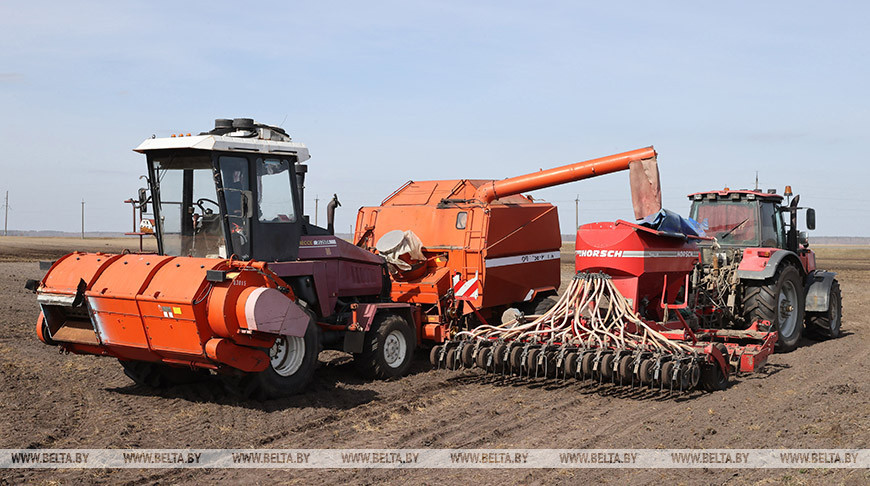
{"points": [[730, 222], [189, 220]]}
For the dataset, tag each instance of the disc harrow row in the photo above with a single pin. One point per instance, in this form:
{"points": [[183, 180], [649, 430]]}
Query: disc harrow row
{"points": [[593, 334]]}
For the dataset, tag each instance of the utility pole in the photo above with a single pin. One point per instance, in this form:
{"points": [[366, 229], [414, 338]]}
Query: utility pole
{"points": [[83, 218], [316, 208], [6, 219], [577, 212]]}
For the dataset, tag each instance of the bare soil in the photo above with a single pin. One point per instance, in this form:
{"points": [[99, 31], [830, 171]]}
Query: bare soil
{"points": [[815, 397]]}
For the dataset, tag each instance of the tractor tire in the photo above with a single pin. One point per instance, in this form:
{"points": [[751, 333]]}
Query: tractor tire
{"points": [[827, 324], [540, 305], [292, 361], [780, 300], [158, 375], [389, 348]]}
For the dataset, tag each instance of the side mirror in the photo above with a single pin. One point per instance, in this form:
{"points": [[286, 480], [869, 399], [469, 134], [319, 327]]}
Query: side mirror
{"points": [[143, 199], [811, 218]]}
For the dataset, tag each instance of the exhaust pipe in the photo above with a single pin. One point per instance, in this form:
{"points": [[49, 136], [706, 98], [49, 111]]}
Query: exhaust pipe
{"points": [[330, 214]]}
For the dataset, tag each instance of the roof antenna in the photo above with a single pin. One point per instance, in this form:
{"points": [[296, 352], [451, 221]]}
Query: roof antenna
{"points": [[756, 181], [282, 122]]}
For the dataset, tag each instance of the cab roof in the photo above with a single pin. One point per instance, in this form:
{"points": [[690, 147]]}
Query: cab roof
{"points": [[226, 143], [735, 194]]}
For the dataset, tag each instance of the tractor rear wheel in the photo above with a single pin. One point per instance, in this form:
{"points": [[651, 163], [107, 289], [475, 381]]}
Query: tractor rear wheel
{"points": [[389, 348], [540, 305], [780, 300], [827, 324]]}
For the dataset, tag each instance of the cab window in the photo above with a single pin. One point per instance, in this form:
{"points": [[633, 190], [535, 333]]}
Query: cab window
{"points": [[275, 196]]}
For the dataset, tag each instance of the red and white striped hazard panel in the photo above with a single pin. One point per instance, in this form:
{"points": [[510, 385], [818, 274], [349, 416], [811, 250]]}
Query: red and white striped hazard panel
{"points": [[466, 289]]}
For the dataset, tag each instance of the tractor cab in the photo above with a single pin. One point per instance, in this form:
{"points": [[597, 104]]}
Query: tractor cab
{"points": [[751, 219], [233, 191]]}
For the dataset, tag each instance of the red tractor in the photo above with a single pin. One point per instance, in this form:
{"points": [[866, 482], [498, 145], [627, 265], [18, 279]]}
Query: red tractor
{"points": [[759, 267]]}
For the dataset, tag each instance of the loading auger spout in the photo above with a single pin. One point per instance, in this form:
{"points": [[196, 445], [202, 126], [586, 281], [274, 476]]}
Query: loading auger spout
{"points": [[645, 189]]}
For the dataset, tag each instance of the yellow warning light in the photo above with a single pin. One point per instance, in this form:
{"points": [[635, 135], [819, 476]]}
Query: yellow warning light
{"points": [[172, 136], [788, 192]]}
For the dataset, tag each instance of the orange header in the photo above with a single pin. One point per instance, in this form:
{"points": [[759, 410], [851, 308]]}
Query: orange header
{"points": [[561, 175]]}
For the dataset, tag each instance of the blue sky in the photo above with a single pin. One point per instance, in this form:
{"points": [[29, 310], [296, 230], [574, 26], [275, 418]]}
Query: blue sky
{"points": [[384, 92]]}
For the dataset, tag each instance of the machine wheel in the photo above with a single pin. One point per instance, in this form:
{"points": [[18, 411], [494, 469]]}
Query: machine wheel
{"points": [[435, 355], [626, 367], [498, 357], [605, 367], [540, 305], [712, 378], [158, 375], [827, 324], [292, 361], [483, 357], [467, 356], [586, 364], [645, 372], [550, 364], [780, 300], [451, 358], [667, 374], [532, 361], [388, 348], [570, 364], [516, 359]]}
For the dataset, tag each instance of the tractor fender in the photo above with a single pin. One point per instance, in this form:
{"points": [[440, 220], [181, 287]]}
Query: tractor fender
{"points": [[817, 286], [754, 266], [365, 316]]}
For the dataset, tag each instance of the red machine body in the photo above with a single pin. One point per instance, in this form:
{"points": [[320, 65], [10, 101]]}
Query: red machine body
{"points": [[653, 269], [648, 267]]}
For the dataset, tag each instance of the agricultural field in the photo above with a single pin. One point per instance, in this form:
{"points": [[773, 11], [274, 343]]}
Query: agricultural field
{"points": [[815, 397]]}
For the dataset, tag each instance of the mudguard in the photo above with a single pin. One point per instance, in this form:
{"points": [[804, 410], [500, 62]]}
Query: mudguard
{"points": [[756, 267], [817, 287]]}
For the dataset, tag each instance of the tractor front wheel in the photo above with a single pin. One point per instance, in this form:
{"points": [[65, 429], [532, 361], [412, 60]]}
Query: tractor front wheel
{"points": [[780, 300], [292, 361]]}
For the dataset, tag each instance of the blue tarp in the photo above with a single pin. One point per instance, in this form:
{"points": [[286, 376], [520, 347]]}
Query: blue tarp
{"points": [[671, 222]]}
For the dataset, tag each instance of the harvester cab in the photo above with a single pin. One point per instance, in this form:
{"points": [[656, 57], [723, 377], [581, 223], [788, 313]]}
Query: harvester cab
{"points": [[236, 190], [759, 267]]}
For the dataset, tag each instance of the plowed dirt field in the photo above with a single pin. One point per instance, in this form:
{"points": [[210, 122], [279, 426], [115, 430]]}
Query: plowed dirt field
{"points": [[815, 397]]}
